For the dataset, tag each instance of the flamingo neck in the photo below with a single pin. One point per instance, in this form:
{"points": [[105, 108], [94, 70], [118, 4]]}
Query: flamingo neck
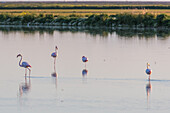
{"points": [[56, 50], [20, 61], [147, 66]]}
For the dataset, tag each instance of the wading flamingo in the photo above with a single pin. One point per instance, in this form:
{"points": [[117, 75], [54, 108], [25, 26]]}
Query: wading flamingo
{"points": [[84, 59], [148, 71], [24, 64], [54, 55]]}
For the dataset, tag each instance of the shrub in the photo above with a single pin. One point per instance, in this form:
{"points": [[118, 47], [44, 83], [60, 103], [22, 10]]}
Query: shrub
{"points": [[160, 19]]}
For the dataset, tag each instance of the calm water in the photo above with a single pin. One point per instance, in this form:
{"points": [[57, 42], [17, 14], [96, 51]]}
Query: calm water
{"points": [[115, 80]]}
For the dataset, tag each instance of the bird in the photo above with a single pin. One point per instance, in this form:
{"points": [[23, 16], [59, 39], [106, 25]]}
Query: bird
{"points": [[55, 54], [84, 59], [24, 64], [148, 71]]}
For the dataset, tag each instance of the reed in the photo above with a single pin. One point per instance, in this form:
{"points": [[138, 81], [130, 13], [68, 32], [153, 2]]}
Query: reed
{"points": [[118, 20], [83, 12]]}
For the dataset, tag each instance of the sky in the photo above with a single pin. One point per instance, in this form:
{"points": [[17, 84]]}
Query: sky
{"points": [[85, 0]]}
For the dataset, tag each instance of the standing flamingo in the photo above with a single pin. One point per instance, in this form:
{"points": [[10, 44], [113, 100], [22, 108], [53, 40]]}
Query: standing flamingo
{"points": [[54, 55], [24, 64], [84, 59], [148, 71]]}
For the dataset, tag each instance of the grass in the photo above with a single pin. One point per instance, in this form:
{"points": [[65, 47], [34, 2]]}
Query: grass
{"points": [[85, 8], [83, 12], [80, 4]]}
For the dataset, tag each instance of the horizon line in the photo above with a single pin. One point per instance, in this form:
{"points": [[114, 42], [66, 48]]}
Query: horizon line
{"points": [[4, 1]]}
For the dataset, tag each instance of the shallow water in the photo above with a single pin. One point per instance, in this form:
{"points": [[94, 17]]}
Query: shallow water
{"points": [[115, 80]]}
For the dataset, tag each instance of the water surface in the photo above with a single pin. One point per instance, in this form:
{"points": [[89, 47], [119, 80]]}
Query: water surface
{"points": [[114, 79]]}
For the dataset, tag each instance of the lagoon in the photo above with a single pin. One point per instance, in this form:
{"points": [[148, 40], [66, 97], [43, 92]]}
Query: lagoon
{"points": [[115, 80]]}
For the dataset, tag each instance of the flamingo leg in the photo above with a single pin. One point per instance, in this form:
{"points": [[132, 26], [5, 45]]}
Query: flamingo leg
{"points": [[56, 82], [20, 90], [25, 80], [29, 81], [54, 64], [29, 71], [25, 72]]}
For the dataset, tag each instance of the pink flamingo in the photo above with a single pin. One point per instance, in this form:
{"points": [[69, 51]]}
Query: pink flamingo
{"points": [[24, 64]]}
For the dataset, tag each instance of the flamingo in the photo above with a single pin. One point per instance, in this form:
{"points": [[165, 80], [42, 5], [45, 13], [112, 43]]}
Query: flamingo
{"points": [[84, 59], [54, 54], [148, 71], [24, 64]]}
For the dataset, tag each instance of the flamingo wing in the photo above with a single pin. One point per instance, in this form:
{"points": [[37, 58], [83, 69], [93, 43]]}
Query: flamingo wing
{"points": [[84, 59], [54, 54], [25, 64], [148, 71]]}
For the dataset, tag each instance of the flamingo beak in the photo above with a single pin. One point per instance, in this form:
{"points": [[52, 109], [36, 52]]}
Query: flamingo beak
{"points": [[18, 55], [56, 47]]}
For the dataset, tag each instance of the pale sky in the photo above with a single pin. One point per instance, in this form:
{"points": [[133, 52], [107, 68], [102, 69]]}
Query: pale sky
{"points": [[85, 0]]}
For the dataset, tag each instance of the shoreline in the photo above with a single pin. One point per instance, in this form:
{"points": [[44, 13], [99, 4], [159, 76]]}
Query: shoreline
{"points": [[82, 27], [161, 33]]}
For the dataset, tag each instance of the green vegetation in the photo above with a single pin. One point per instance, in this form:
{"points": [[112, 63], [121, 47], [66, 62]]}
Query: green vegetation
{"points": [[84, 12], [102, 20], [84, 5], [85, 8]]}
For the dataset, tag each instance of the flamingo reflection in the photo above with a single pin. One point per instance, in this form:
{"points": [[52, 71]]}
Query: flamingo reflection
{"points": [[25, 87], [84, 72], [24, 64], [54, 76], [148, 91]]}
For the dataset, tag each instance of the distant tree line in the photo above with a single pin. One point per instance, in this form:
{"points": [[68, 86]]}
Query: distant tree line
{"points": [[104, 20], [40, 5], [85, 7]]}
